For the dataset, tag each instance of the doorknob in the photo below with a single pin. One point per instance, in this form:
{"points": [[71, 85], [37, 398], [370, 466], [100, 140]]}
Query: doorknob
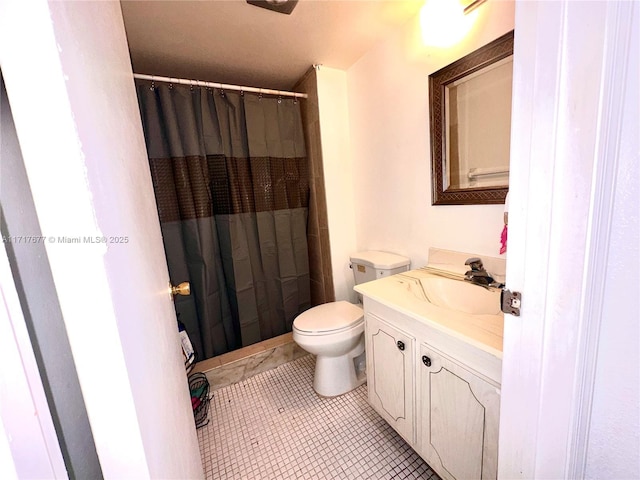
{"points": [[183, 289]]}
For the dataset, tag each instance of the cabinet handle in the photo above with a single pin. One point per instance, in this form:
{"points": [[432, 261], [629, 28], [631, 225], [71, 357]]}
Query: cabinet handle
{"points": [[400, 345], [426, 360]]}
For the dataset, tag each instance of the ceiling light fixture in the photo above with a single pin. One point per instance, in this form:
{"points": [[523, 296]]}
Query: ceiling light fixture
{"points": [[472, 6], [444, 23], [280, 6]]}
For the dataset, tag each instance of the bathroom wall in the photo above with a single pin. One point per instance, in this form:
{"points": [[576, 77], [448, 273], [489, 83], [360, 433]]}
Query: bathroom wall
{"points": [[339, 174], [374, 121], [390, 153]]}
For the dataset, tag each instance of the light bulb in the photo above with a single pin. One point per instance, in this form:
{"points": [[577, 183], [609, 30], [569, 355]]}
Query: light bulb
{"points": [[444, 23]]}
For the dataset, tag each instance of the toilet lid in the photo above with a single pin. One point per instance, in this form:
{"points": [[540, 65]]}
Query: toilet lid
{"points": [[329, 317]]}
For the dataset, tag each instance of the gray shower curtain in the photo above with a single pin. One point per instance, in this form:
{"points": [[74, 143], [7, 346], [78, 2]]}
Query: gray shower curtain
{"points": [[231, 181]]}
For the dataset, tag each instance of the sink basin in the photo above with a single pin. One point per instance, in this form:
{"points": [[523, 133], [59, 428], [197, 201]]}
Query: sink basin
{"points": [[460, 295]]}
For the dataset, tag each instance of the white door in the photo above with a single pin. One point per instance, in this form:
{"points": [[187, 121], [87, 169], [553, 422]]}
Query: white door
{"points": [[574, 166], [69, 81]]}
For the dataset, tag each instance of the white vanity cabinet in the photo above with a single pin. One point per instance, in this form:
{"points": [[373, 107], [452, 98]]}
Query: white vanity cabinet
{"points": [[390, 377], [458, 414], [437, 387]]}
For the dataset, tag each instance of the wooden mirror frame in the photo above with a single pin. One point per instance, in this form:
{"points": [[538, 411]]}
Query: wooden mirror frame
{"points": [[438, 81]]}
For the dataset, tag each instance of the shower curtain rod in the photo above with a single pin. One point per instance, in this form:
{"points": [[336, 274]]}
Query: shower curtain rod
{"points": [[222, 86]]}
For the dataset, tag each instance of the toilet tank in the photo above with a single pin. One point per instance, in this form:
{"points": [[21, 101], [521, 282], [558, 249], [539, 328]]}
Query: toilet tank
{"points": [[372, 265]]}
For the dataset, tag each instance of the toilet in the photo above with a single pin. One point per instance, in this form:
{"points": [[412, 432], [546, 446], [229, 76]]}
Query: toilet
{"points": [[334, 331]]}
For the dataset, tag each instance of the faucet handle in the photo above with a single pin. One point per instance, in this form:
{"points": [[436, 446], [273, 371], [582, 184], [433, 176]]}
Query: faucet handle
{"points": [[475, 263]]}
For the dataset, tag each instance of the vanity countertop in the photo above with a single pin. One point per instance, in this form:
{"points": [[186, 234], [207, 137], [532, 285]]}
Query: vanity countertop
{"points": [[398, 292]]}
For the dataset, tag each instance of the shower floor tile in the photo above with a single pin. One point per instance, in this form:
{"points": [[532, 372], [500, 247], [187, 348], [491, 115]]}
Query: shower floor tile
{"points": [[274, 426]]}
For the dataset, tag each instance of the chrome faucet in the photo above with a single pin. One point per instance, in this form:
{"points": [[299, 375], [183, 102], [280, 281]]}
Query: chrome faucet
{"points": [[478, 275]]}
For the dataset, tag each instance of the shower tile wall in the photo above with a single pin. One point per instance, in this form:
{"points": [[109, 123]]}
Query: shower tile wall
{"points": [[274, 426], [238, 365]]}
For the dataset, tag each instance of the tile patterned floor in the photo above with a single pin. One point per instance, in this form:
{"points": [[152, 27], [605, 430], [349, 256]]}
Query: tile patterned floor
{"points": [[274, 426]]}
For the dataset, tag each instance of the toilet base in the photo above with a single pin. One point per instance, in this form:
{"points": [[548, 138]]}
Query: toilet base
{"points": [[338, 375]]}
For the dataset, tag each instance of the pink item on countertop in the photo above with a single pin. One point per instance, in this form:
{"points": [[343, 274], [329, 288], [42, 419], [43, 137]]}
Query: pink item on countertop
{"points": [[503, 240]]}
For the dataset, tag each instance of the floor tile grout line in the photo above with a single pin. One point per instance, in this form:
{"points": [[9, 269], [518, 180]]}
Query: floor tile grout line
{"points": [[273, 425]]}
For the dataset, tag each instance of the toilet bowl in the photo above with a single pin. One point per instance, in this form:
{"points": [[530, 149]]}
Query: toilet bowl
{"points": [[334, 331]]}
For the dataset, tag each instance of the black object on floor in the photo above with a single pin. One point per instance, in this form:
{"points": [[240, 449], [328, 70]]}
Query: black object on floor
{"points": [[199, 388]]}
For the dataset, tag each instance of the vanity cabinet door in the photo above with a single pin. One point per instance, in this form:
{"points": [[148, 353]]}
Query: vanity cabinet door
{"points": [[458, 415], [390, 384]]}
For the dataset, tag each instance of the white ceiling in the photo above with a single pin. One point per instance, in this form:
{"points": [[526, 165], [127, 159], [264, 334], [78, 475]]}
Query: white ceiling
{"points": [[230, 41]]}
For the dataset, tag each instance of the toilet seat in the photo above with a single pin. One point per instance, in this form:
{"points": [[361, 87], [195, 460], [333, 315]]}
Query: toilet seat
{"points": [[329, 318]]}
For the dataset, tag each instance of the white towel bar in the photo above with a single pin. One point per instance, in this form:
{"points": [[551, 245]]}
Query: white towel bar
{"points": [[482, 172]]}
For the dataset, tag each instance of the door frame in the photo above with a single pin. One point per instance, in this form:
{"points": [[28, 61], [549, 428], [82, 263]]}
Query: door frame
{"points": [[31, 449]]}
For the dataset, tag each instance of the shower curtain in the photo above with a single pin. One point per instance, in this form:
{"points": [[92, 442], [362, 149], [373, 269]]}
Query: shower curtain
{"points": [[231, 181]]}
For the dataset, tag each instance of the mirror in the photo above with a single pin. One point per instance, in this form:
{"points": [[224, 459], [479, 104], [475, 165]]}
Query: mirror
{"points": [[470, 113]]}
